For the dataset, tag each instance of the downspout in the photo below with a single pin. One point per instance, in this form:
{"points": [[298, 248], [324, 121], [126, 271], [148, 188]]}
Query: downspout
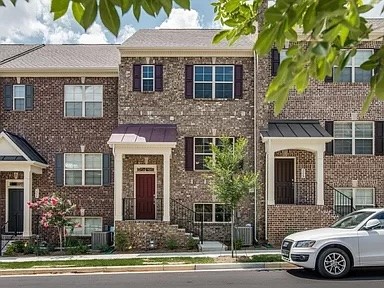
{"points": [[255, 139], [266, 195]]}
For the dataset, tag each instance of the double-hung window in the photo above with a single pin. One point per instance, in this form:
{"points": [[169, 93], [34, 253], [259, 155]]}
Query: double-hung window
{"points": [[19, 97], [362, 198], [86, 225], [82, 169], [203, 150], [212, 212], [83, 100], [213, 82], [352, 71], [148, 78], [354, 138]]}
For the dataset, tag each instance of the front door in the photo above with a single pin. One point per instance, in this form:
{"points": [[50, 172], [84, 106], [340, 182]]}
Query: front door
{"points": [[15, 210], [284, 177], [145, 196]]}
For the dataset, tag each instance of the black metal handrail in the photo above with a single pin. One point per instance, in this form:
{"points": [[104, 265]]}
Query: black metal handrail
{"points": [[297, 193], [132, 208], [305, 193], [342, 204], [2, 228], [185, 217]]}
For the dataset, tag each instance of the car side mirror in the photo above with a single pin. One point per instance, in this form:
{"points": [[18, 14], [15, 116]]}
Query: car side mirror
{"points": [[372, 223]]}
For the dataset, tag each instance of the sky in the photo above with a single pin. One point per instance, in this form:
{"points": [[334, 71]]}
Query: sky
{"points": [[31, 22]]}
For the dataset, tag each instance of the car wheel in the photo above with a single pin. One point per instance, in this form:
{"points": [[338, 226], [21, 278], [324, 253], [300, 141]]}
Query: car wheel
{"points": [[333, 263]]}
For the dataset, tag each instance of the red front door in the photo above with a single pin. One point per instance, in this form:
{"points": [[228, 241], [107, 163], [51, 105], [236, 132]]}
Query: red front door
{"points": [[145, 196]]}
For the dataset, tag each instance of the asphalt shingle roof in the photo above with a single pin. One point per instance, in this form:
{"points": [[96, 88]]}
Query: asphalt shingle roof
{"points": [[182, 38], [61, 57]]}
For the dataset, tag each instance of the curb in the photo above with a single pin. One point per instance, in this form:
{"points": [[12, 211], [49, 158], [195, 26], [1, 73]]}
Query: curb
{"points": [[149, 268]]}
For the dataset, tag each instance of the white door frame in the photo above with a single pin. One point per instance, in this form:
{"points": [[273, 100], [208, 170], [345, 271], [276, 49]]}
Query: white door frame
{"points": [[294, 171], [136, 167], [7, 187]]}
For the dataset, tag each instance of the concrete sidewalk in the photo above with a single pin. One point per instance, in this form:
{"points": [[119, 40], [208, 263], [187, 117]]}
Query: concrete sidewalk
{"points": [[212, 254]]}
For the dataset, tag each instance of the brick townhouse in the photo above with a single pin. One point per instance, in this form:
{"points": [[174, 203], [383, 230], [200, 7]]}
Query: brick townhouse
{"points": [[58, 108], [124, 131]]}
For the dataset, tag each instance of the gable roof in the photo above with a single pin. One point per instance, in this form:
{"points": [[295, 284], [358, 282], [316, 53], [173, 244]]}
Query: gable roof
{"points": [[25, 147], [183, 38], [59, 58]]}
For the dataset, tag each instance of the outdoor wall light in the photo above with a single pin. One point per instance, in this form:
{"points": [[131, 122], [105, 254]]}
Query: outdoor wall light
{"points": [[82, 211]]}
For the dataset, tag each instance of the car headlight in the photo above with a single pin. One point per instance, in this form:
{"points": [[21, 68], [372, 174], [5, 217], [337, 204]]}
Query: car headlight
{"points": [[305, 243]]}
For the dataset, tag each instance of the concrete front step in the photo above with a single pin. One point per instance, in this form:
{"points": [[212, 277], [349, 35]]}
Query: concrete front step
{"points": [[210, 246]]}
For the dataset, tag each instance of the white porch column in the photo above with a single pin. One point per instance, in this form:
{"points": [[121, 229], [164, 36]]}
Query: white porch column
{"points": [[319, 177], [166, 185], [27, 217], [271, 174], [118, 188]]}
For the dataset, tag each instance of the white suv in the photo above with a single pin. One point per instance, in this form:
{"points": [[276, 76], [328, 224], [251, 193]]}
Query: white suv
{"points": [[356, 240]]}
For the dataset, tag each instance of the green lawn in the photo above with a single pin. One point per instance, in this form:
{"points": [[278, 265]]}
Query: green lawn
{"points": [[261, 258], [107, 262]]}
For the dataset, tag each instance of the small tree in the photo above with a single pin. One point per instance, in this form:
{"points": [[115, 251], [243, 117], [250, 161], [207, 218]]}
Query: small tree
{"points": [[54, 211], [230, 181]]}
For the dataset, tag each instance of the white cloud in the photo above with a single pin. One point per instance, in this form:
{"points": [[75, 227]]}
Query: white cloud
{"points": [[32, 22], [125, 32], [181, 18]]}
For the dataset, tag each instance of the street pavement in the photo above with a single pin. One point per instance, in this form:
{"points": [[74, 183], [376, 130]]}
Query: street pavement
{"points": [[297, 278]]}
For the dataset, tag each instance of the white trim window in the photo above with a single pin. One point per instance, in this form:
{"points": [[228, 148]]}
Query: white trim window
{"points": [[212, 212], [83, 169], [148, 78], [202, 150], [213, 81], [352, 71], [83, 101], [19, 97], [86, 225], [362, 197], [353, 138]]}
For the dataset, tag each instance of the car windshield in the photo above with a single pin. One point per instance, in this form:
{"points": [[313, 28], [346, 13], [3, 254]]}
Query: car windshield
{"points": [[352, 220]]}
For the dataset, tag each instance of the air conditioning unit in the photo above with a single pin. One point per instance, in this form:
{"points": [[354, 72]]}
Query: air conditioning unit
{"points": [[100, 239], [245, 234]]}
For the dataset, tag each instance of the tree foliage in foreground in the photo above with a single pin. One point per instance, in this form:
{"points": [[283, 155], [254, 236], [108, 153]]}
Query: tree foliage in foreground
{"points": [[332, 31]]}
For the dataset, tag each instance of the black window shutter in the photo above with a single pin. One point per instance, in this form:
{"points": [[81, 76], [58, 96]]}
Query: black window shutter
{"points": [[136, 77], [238, 81], [106, 169], [189, 81], [158, 77], [8, 97], [379, 137], [375, 70], [275, 61], [29, 97], [329, 146], [59, 169], [188, 153], [329, 79]]}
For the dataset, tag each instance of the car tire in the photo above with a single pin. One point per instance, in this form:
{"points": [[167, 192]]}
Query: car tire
{"points": [[333, 263]]}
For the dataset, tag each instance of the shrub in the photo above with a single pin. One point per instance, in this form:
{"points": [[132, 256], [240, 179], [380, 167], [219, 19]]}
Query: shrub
{"points": [[238, 244], [171, 244], [105, 248], [122, 241], [19, 246], [10, 251], [192, 243], [29, 248], [77, 250]]}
